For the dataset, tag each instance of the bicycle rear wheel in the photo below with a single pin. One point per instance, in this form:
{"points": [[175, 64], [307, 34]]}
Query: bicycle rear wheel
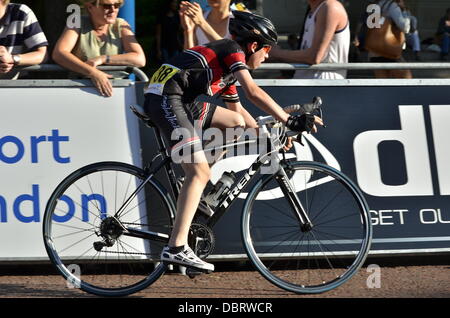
{"points": [[316, 260], [88, 242]]}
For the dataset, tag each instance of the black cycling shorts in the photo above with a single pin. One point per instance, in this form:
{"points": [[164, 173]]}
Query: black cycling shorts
{"points": [[181, 124]]}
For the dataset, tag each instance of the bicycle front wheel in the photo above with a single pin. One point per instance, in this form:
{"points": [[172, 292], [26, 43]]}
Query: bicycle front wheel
{"points": [[312, 260], [89, 241]]}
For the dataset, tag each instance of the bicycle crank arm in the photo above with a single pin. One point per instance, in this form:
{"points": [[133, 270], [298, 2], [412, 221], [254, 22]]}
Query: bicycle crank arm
{"points": [[148, 235]]}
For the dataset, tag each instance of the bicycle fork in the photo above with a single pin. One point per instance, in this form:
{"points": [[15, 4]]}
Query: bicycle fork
{"points": [[296, 206]]}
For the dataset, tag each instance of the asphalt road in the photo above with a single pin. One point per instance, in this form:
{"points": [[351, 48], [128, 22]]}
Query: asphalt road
{"points": [[392, 281]]}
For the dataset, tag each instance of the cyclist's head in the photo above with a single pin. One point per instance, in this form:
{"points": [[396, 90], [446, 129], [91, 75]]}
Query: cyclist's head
{"points": [[247, 28]]}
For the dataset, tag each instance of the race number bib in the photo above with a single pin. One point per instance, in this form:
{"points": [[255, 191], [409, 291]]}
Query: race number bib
{"points": [[160, 78]]}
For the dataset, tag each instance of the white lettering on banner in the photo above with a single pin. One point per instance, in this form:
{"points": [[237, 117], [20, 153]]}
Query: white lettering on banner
{"points": [[414, 139], [440, 119], [388, 217], [432, 216]]}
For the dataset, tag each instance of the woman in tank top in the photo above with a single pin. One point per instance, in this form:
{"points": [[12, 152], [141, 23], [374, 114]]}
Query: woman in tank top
{"points": [[101, 39], [326, 39]]}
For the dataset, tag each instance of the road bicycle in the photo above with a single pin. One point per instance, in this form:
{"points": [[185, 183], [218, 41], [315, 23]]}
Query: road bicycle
{"points": [[305, 226]]}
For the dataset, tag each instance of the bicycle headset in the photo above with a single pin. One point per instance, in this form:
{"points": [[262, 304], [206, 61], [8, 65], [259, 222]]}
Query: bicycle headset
{"points": [[248, 27]]}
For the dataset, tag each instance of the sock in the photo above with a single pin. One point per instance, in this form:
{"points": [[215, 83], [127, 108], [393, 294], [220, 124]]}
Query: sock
{"points": [[176, 249]]}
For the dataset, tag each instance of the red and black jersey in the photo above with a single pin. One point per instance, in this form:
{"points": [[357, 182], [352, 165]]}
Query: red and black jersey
{"points": [[207, 70]]}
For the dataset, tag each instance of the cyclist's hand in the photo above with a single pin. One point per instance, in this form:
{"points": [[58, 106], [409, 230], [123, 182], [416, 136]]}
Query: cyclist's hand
{"points": [[317, 122], [301, 123], [102, 83], [288, 145]]}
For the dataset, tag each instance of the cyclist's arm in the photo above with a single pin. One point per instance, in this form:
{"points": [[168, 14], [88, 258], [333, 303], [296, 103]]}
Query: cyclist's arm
{"points": [[259, 97]]}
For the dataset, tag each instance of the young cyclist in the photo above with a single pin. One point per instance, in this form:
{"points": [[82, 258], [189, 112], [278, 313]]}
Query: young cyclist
{"points": [[170, 103]]}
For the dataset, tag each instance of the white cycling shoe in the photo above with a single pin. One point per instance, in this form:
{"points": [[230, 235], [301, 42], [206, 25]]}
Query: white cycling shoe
{"points": [[186, 258]]}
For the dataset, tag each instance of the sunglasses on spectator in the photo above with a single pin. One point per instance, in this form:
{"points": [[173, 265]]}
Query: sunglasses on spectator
{"points": [[109, 6]]}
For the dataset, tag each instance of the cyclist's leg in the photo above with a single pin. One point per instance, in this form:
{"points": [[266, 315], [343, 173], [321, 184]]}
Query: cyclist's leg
{"points": [[230, 123], [176, 124], [224, 118], [197, 176]]}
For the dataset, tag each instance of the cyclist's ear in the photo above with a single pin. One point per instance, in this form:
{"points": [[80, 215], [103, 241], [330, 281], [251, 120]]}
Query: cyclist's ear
{"points": [[252, 47]]}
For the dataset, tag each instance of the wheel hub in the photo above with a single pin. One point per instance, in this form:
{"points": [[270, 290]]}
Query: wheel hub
{"points": [[110, 231]]}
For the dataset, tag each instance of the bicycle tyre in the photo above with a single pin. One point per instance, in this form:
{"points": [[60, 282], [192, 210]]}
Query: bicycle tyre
{"points": [[313, 261], [131, 264]]}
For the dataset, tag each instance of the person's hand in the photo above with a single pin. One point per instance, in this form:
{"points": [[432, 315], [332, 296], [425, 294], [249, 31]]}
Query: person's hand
{"points": [[6, 67], [96, 61], [6, 61], [186, 22], [305, 122], [193, 11], [102, 83], [288, 145]]}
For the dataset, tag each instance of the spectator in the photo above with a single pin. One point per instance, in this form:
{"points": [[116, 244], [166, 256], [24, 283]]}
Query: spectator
{"points": [[396, 11], [326, 39], [22, 41], [413, 37], [443, 34], [169, 34], [202, 28], [102, 39]]}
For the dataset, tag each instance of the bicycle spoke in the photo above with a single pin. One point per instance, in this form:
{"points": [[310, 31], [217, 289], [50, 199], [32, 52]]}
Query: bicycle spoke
{"points": [[112, 264], [309, 260]]}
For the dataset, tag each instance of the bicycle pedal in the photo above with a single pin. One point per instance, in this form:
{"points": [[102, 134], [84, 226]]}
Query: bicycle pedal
{"points": [[192, 273]]}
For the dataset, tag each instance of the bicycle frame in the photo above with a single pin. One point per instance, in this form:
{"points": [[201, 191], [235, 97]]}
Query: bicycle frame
{"points": [[232, 194]]}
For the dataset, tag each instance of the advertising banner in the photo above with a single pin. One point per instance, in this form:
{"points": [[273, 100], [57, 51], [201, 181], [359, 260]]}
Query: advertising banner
{"points": [[391, 139], [46, 133]]}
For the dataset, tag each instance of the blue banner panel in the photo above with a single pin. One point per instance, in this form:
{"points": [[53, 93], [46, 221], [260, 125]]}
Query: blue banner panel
{"points": [[393, 142]]}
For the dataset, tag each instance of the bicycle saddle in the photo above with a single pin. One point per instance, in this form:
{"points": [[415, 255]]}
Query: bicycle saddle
{"points": [[138, 110]]}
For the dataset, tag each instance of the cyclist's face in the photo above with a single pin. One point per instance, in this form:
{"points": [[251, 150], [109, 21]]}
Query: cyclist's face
{"points": [[258, 57]]}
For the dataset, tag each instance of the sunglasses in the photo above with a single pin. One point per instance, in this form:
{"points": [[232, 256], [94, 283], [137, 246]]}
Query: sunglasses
{"points": [[267, 48], [108, 6]]}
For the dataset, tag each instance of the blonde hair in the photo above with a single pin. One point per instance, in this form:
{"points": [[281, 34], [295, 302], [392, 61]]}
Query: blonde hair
{"points": [[6, 2]]}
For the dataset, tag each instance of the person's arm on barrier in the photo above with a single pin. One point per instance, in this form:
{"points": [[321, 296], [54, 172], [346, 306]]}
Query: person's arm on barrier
{"points": [[330, 18], [134, 54], [9, 61], [62, 54]]}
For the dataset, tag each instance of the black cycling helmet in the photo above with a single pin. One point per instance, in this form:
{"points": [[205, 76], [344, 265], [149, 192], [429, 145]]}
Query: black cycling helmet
{"points": [[248, 27]]}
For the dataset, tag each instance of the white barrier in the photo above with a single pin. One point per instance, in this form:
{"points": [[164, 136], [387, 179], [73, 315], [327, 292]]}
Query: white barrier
{"points": [[46, 132]]}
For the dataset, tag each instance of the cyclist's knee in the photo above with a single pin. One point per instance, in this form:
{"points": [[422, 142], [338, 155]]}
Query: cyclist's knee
{"points": [[239, 121], [198, 171]]}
